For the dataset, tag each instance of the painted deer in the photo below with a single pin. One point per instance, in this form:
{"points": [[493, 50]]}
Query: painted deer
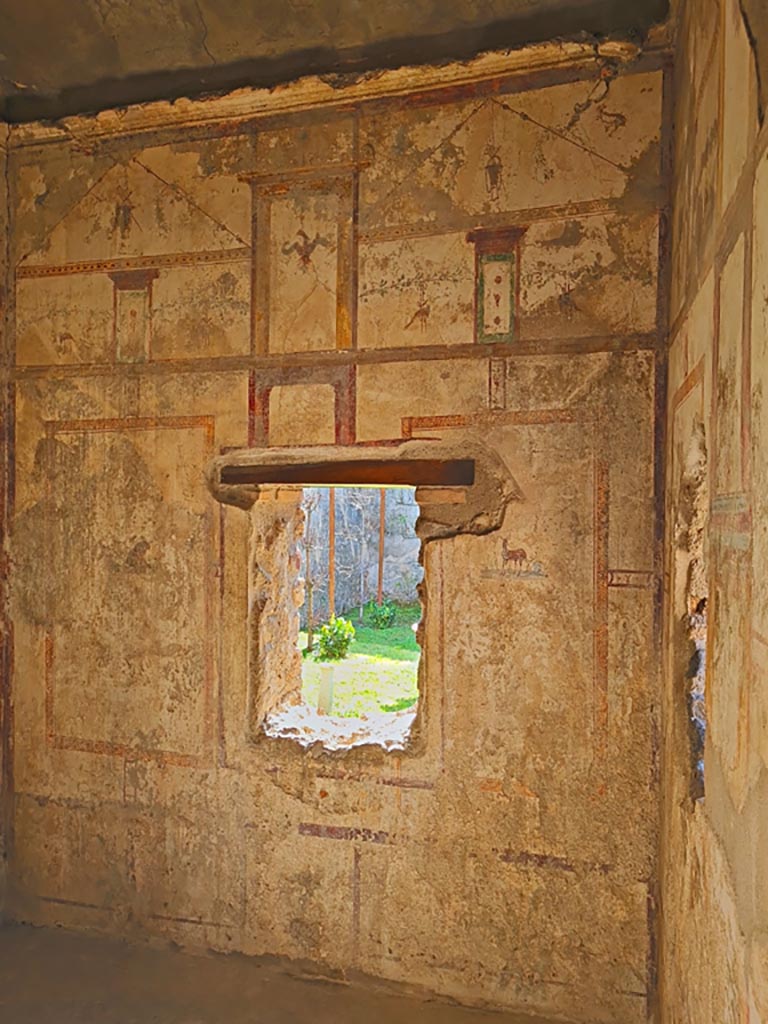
{"points": [[514, 555]]}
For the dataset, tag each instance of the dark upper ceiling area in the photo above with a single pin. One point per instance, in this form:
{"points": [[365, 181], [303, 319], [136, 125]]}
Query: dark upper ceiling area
{"points": [[62, 57]]}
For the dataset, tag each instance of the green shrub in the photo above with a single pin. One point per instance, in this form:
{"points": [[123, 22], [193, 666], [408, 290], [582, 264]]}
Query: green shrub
{"points": [[383, 615], [334, 639], [401, 704]]}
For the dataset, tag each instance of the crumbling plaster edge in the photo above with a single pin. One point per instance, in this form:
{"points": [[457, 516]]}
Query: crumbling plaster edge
{"points": [[322, 91], [481, 510]]}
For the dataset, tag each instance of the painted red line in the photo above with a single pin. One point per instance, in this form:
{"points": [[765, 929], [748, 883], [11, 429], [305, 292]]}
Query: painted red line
{"points": [[398, 783], [201, 922], [634, 578], [696, 376], [525, 858], [536, 860], [408, 783], [251, 409], [364, 835], [356, 901], [60, 901]]}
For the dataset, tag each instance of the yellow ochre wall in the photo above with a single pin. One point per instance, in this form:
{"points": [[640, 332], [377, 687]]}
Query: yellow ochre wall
{"points": [[714, 953], [298, 267]]}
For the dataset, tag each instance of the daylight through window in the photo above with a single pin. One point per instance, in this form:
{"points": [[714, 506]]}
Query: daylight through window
{"points": [[357, 623]]}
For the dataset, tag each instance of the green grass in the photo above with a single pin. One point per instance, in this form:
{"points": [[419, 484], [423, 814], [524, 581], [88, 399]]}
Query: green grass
{"points": [[380, 672]]}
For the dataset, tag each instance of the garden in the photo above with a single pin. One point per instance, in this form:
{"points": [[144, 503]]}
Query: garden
{"points": [[375, 660]]}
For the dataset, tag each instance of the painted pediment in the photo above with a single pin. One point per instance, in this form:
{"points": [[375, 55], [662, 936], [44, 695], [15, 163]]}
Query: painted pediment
{"points": [[132, 211]]}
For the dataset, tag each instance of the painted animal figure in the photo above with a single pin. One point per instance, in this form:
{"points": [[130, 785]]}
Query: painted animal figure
{"points": [[514, 555], [305, 247]]}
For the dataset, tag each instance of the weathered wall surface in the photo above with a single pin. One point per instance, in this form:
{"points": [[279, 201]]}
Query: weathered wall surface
{"points": [[123, 54], [476, 262], [6, 799], [715, 869]]}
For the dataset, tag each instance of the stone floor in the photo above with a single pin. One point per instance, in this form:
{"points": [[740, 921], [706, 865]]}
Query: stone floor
{"points": [[55, 977]]}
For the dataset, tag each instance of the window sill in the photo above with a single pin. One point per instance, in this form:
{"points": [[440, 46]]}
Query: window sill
{"points": [[306, 725]]}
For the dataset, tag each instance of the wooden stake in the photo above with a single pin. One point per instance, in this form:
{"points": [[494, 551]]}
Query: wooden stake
{"points": [[325, 693], [382, 515]]}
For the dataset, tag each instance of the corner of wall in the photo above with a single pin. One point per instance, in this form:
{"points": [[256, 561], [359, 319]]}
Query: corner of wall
{"points": [[4, 635], [713, 880]]}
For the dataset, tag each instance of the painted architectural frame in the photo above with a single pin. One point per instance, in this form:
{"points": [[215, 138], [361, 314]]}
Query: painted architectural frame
{"points": [[497, 283], [334, 242]]}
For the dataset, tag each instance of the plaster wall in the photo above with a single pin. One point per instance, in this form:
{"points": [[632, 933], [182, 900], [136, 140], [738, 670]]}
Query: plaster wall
{"points": [[174, 267], [715, 873], [6, 774]]}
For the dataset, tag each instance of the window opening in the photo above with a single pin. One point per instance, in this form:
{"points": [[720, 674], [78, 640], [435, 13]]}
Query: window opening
{"points": [[461, 488], [356, 627]]}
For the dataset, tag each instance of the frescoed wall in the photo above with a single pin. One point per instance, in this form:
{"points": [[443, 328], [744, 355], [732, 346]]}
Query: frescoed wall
{"points": [[398, 258], [714, 951], [6, 655]]}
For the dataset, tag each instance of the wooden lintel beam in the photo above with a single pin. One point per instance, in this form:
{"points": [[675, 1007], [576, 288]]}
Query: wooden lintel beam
{"points": [[358, 473]]}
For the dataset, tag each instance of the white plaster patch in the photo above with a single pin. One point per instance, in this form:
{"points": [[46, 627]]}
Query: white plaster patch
{"points": [[306, 725]]}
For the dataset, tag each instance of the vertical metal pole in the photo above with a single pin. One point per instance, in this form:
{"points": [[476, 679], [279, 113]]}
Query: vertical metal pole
{"points": [[382, 515], [332, 552]]}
